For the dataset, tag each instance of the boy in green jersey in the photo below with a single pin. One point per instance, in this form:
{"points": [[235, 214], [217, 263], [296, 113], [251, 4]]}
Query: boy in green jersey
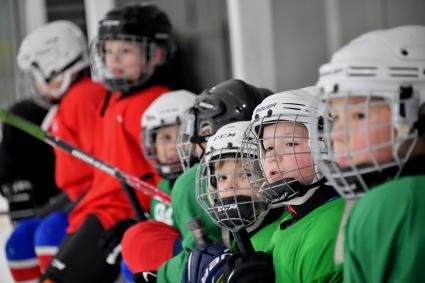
{"points": [[140, 245], [229, 101], [225, 193], [374, 88], [302, 245]]}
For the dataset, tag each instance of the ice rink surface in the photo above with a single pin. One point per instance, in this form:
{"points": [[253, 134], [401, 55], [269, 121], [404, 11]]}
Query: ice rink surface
{"points": [[5, 229]]}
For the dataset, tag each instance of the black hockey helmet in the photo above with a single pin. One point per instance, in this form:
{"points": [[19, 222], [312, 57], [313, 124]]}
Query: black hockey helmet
{"points": [[144, 20], [230, 101], [145, 24]]}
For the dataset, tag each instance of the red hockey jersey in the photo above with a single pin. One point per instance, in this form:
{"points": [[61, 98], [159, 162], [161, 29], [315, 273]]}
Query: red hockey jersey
{"points": [[118, 143], [74, 122]]}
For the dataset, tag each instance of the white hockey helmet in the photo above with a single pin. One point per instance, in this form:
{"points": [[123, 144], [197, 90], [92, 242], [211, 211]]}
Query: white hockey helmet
{"points": [[384, 64], [296, 107], [54, 51], [238, 204], [166, 110]]}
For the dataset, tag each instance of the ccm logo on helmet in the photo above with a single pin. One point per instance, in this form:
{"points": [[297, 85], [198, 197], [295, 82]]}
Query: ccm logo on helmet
{"points": [[227, 207], [224, 136]]}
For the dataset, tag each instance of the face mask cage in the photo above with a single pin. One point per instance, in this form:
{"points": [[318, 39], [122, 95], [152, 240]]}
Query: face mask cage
{"points": [[365, 140], [224, 190], [120, 76], [185, 148], [170, 169], [285, 157]]}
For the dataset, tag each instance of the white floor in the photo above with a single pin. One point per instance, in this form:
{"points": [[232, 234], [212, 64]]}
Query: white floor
{"points": [[5, 229]]}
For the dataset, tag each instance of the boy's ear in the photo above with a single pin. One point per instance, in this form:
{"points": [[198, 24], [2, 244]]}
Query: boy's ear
{"points": [[158, 57]]}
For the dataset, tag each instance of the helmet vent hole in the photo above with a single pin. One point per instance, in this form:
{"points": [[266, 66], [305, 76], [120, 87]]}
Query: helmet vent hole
{"points": [[404, 52], [269, 112], [256, 116], [336, 88]]}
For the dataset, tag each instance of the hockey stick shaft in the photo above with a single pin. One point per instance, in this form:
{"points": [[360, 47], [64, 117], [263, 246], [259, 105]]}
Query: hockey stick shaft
{"points": [[40, 134], [244, 243]]}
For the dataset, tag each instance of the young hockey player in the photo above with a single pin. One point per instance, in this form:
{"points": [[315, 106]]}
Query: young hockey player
{"points": [[27, 182], [375, 90], [134, 44], [230, 101], [225, 192], [56, 56], [147, 245], [303, 245], [222, 182]]}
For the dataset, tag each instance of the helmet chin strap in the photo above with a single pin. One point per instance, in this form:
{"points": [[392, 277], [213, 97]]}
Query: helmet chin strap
{"points": [[301, 195], [56, 93], [302, 199]]}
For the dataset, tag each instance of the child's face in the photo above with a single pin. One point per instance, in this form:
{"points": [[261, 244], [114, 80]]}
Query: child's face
{"points": [[124, 59], [46, 89], [287, 153], [361, 131], [231, 179], [165, 145]]}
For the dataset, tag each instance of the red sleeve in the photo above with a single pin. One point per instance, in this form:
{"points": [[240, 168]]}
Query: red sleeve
{"points": [[75, 123]]}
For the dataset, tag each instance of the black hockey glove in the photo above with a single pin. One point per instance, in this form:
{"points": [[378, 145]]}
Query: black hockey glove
{"points": [[257, 268], [145, 277], [111, 238], [206, 263]]}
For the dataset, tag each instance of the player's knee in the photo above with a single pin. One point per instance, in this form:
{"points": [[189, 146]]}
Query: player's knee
{"points": [[20, 244], [52, 230]]}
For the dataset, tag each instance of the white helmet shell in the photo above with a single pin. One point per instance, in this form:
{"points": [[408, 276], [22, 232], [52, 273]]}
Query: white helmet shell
{"points": [[168, 109], [388, 64], [299, 106], [379, 63], [58, 48], [294, 105], [238, 203], [228, 139]]}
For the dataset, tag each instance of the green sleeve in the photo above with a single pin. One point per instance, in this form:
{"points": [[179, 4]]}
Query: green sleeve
{"points": [[384, 239], [185, 207], [172, 270]]}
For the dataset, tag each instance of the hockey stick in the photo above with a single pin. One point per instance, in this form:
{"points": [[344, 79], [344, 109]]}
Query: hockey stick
{"points": [[243, 241], [129, 180]]}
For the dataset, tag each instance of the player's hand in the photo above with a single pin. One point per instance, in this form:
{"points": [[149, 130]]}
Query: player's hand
{"points": [[257, 268], [206, 263]]}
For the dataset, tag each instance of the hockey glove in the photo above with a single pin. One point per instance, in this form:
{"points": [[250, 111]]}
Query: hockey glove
{"points": [[205, 263], [111, 239], [257, 268]]}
